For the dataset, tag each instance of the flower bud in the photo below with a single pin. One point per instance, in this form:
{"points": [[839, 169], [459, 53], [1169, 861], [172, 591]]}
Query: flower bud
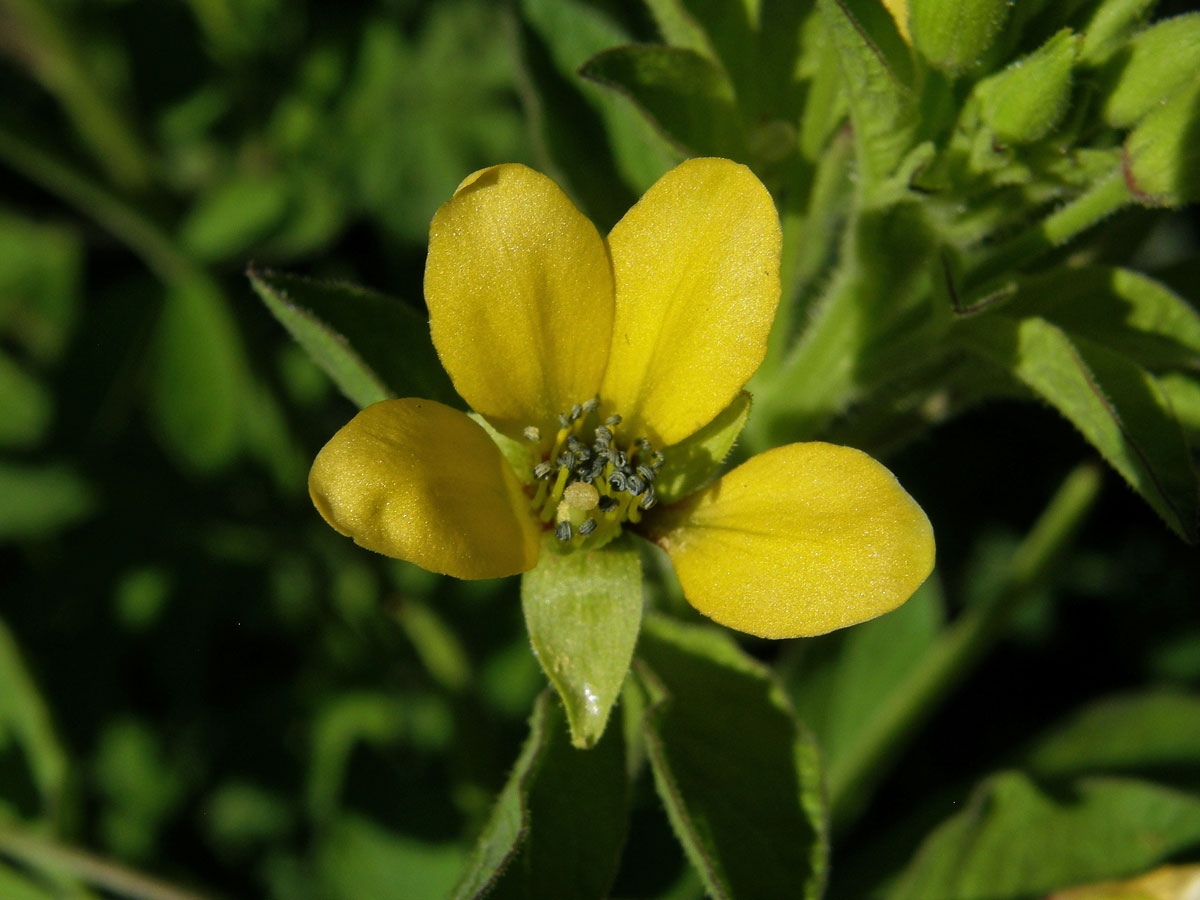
{"points": [[1162, 155], [1150, 68], [1025, 101], [954, 34], [1110, 27]]}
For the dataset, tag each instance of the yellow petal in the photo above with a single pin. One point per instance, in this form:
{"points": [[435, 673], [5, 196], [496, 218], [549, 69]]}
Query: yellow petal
{"points": [[520, 297], [899, 11], [696, 269], [421, 482], [799, 540]]}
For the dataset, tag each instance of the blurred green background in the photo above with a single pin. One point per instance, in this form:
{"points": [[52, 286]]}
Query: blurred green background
{"points": [[198, 678]]}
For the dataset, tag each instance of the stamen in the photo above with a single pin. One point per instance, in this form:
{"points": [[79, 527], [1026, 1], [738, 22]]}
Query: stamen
{"points": [[532, 433], [613, 420], [542, 470], [587, 527], [562, 531]]}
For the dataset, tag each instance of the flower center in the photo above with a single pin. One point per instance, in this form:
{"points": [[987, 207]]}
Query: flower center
{"points": [[593, 481]]}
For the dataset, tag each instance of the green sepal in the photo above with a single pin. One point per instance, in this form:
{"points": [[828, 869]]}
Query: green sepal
{"points": [[1025, 101], [954, 34], [1124, 310], [518, 454], [686, 95], [738, 773], [558, 826], [1162, 155], [1110, 27], [1152, 66], [373, 347], [877, 72], [583, 610], [1113, 402], [693, 462], [1013, 839]]}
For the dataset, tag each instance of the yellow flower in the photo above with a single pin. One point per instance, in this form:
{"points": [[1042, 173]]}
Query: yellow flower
{"points": [[601, 355]]}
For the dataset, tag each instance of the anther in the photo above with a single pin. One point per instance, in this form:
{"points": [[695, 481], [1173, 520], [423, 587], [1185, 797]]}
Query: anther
{"points": [[562, 531], [563, 421], [542, 470], [649, 499], [589, 406], [645, 473], [587, 526], [617, 481], [604, 433], [634, 485], [613, 420], [574, 444], [576, 411], [619, 459], [532, 433], [566, 460], [605, 503], [644, 444]]}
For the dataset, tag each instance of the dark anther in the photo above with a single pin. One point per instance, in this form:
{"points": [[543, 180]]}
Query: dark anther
{"points": [[562, 531], [603, 433], [566, 460], [616, 481], [606, 503], [634, 485], [619, 459], [589, 406], [563, 421], [613, 420], [576, 412], [542, 470], [649, 499], [532, 433], [587, 527], [645, 473]]}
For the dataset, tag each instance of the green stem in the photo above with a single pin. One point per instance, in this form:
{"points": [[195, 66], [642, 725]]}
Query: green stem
{"points": [[130, 227], [39, 853], [43, 39], [961, 647], [1103, 199]]}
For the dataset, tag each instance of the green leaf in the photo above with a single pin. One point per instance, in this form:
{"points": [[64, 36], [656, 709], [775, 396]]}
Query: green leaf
{"points": [[41, 268], [685, 94], [25, 720], [1014, 840], [557, 827], [1025, 101], [877, 73], [736, 770], [606, 152], [691, 463], [954, 34], [1156, 730], [583, 610], [40, 500], [873, 660], [372, 346], [235, 215], [1150, 68], [1183, 392], [356, 858], [1112, 401], [27, 406], [199, 377], [1124, 310]]}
